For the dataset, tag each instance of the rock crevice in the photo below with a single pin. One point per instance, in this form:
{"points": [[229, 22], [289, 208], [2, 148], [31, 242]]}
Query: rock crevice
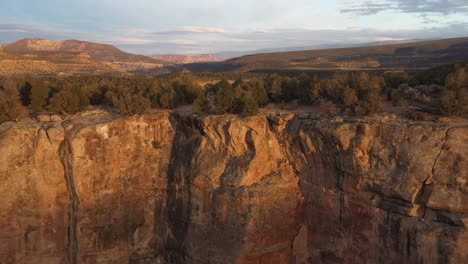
{"points": [[166, 188], [66, 155]]}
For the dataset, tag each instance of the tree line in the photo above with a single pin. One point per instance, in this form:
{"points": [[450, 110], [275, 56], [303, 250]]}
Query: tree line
{"points": [[347, 93]]}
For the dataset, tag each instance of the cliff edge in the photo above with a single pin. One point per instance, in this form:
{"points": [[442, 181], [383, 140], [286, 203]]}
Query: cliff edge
{"points": [[168, 188]]}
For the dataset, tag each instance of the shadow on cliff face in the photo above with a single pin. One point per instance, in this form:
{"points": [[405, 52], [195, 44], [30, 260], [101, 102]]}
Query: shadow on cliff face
{"points": [[197, 228], [231, 196], [178, 203]]}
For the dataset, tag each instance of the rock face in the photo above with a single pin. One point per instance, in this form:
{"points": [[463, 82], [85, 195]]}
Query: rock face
{"points": [[164, 188], [382, 192]]}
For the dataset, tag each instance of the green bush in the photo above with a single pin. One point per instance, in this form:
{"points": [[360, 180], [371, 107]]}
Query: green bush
{"points": [[10, 103], [69, 101], [130, 103], [454, 99], [222, 98], [39, 96]]}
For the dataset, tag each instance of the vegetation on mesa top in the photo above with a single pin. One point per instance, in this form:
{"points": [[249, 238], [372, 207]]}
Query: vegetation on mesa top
{"points": [[97, 51], [49, 58], [444, 90], [407, 56]]}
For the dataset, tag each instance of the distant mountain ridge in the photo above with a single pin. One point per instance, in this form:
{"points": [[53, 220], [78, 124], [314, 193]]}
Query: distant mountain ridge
{"points": [[46, 57], [97, 51], [182, 59], [401, 56], [226, 55]]}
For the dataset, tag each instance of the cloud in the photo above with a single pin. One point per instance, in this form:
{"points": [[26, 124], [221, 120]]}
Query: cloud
{"points": [[434, 7], [142, 41], [203, 30], [12, 31], [132, 41], [192, 30], [301, 38]]}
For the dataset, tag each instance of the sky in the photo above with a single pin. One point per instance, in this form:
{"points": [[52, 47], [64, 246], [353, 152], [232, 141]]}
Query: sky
{"points": [[208, 26]]}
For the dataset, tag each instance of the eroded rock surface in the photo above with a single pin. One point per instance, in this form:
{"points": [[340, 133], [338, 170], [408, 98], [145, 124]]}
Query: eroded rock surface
{"points": [[382, 192], [164, 188]]}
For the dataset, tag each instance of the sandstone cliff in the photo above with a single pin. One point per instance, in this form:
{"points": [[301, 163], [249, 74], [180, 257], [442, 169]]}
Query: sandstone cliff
{"points": [[164, 188]]}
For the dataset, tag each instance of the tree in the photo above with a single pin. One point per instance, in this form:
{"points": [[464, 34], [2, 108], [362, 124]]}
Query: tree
{"points": [[314, 93], [224, 97], [201, 104], [69, 101], [259, 93], [25, 93], [131, 104], [168, 98], [454, 99], [327, 108], [186, 88], [10, 103], [349, 99], [395, 79], [39, 96], [245, 104], [274, 88]]}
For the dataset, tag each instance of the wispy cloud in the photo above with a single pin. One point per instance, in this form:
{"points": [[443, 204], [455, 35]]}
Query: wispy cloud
{"points": [[441, 7], [12, 31], [192, 30], [203, 30], [206, 40]]}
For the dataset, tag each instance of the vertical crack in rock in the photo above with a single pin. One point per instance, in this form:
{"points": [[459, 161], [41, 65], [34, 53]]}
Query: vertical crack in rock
{"points": [[66, 155], [424, 192], [47, 134], [178, 202], [285, 145], [429, 179]]}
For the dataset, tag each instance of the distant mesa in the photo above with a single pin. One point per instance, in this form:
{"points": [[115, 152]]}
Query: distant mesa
{"points": [[181, 59], [401, 56], [42, 56], [47, 57], [97, 52]]}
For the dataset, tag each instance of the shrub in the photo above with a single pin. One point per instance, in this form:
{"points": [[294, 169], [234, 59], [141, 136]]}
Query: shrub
{"points": [[186, 89], [131, 104], [454, 99], [39, 96], [274, 88], [328, 108], [259, 93], [245, 105], [222, 98], [395, 97], [395, 79], [25, 93], [69, 101], [10, 103]]}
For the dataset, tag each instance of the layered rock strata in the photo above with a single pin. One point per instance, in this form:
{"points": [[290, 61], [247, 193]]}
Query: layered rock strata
{"points": [[165, 188]]}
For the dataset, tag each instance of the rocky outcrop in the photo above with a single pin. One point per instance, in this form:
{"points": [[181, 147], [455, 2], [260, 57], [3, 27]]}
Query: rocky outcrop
{"points": [[165, 188], [382, 192], [34, 204]]}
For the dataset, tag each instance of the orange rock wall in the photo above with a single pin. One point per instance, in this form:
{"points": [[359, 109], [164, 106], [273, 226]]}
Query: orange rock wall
{"points": [[164, 188]]}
